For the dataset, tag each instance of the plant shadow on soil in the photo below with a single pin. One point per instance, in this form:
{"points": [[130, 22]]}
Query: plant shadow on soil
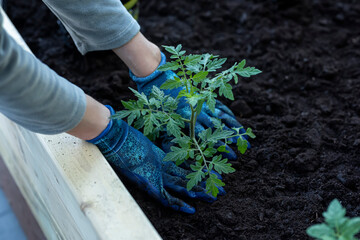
{"points": [[304, 107]]}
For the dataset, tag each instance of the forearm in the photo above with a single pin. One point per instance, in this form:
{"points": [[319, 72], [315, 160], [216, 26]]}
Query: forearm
{"points": [[33, 95], [140, 55]]}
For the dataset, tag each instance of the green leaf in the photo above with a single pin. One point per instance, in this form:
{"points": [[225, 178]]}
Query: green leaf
{"points": [[157, 93], [209, 152], [226, 90], [205, 59], [222, 165], [223, 149], [351, 227], [139, 123], [170, 49], [132, 117], [200, 76], [193, 99], [211, 102], [169, 66], [121, 114], [194, 178], [178, 48], [171, 83], [173, 128], [219, 134], [199, 107], [250, 133], [182, 53], [248, 71], [176, 154], [130, 105], [242, 145], [215, 64], [192, 154], [241, 64], [205, 134], [141, 96], [321, 231], [148, 125], [212, 184], [334, 213]]}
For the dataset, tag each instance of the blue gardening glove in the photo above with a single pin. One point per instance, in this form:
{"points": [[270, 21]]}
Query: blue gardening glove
{"points": [[222, 112], [135, 157]]}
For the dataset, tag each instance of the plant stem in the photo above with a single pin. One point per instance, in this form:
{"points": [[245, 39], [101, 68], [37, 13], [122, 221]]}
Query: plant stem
{"points": [[192, 123], [202, 154]]}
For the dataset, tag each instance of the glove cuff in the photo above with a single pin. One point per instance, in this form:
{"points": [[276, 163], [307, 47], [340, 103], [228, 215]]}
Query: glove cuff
{"points": [[106, 130], [152, 76]]}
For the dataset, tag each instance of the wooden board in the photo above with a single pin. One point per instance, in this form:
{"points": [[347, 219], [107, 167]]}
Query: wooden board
{"points": [[69, 186]]}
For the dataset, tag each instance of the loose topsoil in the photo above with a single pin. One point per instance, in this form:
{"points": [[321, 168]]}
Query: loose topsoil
{"points": [[304, 107]]}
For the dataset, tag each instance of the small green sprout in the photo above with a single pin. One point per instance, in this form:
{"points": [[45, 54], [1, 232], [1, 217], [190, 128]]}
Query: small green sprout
{"points": [[336, 226]]}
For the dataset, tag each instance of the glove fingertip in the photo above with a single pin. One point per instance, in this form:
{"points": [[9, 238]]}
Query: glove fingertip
{"points": [[186, 208]]}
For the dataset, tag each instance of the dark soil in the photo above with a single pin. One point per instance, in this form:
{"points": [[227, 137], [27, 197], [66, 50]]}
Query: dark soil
{"points": [[304, 107]]}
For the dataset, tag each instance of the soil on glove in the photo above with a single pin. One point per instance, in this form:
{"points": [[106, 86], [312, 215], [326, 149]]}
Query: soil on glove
{"points": [[304, 107]]}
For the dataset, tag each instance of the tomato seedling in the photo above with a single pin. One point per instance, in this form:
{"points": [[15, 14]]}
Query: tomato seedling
{"points": [[199, 82]]}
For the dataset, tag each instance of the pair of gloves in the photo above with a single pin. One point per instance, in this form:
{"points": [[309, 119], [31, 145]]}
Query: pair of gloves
{"points": [[135, 157]]}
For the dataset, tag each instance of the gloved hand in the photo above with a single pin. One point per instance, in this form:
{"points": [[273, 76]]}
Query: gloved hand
{"points": [[222, 112], [135, 157]]}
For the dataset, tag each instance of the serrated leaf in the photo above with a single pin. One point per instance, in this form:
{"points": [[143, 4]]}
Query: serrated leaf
{"points": [[130, 105], [139, 123], [171, 83], [223, 149], [194, 178], [205, 59], [221, 165], [173, 128], [157, 93], [321, 231], [192, 154], [176, 154], [212, 184], [199, 107], [226, 90], [200, 76], [211, 102], [121, 114], [169, 66], [242, 145], [241, 65], [351, 227], [250, 133], [132, 117], [192, 59], [205, 134], [170, 49], [215, 64], [178, 48], [182, 53], [334, 213], [141, 96], [248, 71], [209, 152], [219, 134], [148, 125], [193, 99]]}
